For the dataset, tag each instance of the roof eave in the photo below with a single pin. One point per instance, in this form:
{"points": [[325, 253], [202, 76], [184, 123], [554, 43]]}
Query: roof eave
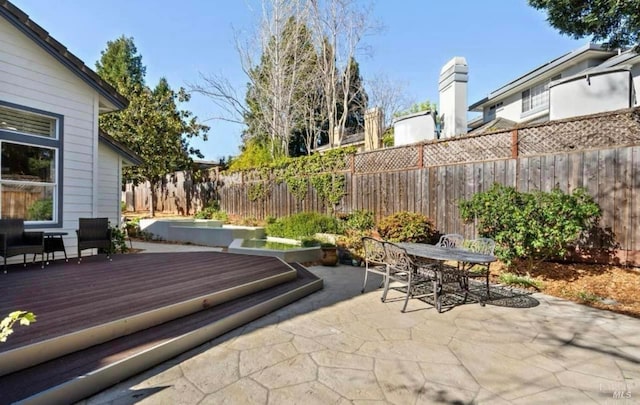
{"points": [[127, 154], [40, 36]]}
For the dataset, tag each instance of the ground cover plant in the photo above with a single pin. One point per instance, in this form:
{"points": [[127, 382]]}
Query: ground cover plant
{"points": [[304, 225]]}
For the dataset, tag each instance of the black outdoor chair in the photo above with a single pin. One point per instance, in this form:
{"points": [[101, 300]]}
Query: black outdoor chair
{"points": [[15, 241], [94, 233]]}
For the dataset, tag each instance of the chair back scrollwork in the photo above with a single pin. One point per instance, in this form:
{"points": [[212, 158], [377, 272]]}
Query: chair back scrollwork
{"points": [[374, 252], [451, 240]]}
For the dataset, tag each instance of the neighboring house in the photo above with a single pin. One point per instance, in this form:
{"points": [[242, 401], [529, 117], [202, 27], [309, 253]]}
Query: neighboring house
{"points": [[56, 164], [588, 80], [370, 139], [356, 140]]}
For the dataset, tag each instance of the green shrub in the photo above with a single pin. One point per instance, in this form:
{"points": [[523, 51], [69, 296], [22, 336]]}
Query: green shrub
{"points": [[41, 210], [304, 224], [352, 243], [118, 240], [360, 220], [249, 221], [212, 211], [531, 226], [407, 226]]}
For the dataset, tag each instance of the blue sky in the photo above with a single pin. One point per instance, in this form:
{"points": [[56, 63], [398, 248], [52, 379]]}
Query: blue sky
{"points": [[501, 40]]}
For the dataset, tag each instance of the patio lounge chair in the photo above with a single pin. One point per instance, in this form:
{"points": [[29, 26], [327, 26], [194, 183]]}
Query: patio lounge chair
{"points": [[402, 269], [15, 241], [374, 255], [94, 233]]}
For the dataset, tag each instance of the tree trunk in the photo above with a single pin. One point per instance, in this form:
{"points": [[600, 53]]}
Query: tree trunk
{"points": [[152, 208]]}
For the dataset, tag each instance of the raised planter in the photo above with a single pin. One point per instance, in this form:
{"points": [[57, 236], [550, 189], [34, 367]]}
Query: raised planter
{"points": [[199, 232], [293, 254]]}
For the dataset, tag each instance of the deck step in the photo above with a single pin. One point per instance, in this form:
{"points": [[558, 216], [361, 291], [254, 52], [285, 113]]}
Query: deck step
{"points": [[79, 306], [83, 373]]}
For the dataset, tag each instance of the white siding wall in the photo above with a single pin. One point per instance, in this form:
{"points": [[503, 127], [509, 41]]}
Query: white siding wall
{"points": [[635, 72], [109, 189], [511, 108], [30, 77], [512, 105]]}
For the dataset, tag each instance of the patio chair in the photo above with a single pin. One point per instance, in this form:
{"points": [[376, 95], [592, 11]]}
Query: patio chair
{"points": [[94, 233], [485, 246], [451, 240], [374, 255], [401, 268], [15, 241]]}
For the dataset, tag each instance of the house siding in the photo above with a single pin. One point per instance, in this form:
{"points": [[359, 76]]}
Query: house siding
{"points": [[512, 103], [108, 185], [31, 77], [635, 72]]}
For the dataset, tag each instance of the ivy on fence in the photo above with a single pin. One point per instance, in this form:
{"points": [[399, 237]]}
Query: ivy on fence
{"points": [[322, 171]]}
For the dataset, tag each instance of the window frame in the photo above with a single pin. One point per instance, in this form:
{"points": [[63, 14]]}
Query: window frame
{"points": [[492, 111], [55, 143], [529, 99]]}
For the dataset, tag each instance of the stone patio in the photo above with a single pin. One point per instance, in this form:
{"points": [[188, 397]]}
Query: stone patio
{"points": [[340, 346]]}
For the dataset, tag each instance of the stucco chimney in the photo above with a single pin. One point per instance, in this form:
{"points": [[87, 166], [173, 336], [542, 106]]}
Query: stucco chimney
{"points": [[373, 123], [453, 97]]}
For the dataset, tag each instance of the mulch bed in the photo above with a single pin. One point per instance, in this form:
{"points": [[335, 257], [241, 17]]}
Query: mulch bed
{"points": [[611, 288]]}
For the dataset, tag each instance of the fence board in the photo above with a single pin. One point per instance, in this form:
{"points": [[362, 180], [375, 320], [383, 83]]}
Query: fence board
{"points": [[561, 172], [547, 172], [623, 190], [635, 200]]}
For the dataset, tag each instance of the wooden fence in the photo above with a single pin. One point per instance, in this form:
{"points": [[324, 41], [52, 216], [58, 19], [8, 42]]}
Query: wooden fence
{"points": [[600, 153]]}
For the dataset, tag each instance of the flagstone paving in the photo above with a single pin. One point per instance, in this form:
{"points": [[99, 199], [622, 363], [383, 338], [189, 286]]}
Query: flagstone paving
{"points": [[338, 346]]}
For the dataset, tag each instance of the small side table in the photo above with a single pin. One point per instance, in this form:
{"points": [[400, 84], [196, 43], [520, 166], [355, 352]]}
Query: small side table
{"points": [[53, 242]]}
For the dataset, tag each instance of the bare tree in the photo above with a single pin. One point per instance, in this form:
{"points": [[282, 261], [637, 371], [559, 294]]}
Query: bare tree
{"points": [[272, 59], [389, 95], [338, 26], [298, 45]]}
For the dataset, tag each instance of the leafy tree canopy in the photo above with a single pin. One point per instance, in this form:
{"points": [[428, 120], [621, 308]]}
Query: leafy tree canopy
{"points": [[152, 125], [254, 154], [418, 107], [121, 65], [616, 23]]}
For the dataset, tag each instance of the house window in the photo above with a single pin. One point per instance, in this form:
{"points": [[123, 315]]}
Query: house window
{"points": [[492, 111], [535, 98], [30, 165]]}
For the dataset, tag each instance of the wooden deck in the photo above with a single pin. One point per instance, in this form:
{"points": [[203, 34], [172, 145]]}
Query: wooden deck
{"points": [[100, 311]]}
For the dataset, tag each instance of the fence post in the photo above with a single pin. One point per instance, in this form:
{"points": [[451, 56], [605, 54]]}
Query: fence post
{"points": [[514, 143], [420, 154]]}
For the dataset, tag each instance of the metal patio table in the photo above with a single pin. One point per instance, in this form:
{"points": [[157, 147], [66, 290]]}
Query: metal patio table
{"points": [[465, 258]]}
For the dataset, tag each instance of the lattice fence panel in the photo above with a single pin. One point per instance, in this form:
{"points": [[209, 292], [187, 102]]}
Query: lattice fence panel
{"points": [[383, 160], [467, 149], [598, 131]]}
